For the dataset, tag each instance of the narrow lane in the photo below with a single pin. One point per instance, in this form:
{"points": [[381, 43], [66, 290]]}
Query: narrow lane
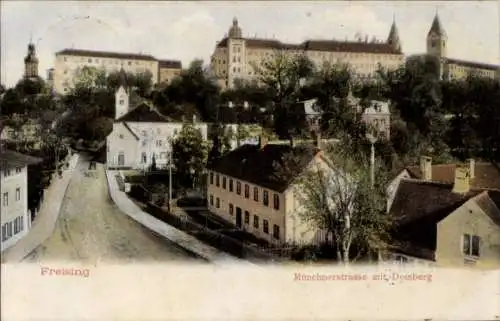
{"points": [[91, 229]]}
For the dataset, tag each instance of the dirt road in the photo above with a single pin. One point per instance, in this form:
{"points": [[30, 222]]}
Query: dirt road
{"points": [[91, 229]]}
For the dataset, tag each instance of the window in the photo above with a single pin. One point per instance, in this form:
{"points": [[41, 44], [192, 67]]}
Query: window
{"points": [[266, 198], [266, 227], [6, 172], [19, 170], [231, 209], [471, 245], [217, 202], [90, 60], [247, 191], [22, 223], [9, 229], [217, 181], [4, 232], [144, 158], [5, 199], [211, 200], [122, 101], [15, 226], [144, 143], [255, 221], [256, 194], [130, 63], [211, 178], [238, 188], [230, 184], [18, 194], [159, 143], [247, 217], [121, 136], [276, 231], [276, 201]]}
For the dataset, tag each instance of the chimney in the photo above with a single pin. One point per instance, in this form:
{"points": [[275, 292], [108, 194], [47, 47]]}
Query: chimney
{"points": [[472, 168], [262, 141], [462, 180], [426, 167]]}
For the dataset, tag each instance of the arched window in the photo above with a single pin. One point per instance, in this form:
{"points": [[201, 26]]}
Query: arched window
{"points": [[144, 158]]}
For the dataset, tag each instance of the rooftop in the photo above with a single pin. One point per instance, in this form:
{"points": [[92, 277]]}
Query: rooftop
{"points": [[257, 165], [319, 45], [486, 175], [144, 113], [173, 64], [105, 54], [11, 159], [472, 64]]}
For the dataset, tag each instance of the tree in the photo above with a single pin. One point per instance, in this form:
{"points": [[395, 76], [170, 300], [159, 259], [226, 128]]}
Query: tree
{"points": [[282, 76], [221, 142], [190, 152], [342, 201]]}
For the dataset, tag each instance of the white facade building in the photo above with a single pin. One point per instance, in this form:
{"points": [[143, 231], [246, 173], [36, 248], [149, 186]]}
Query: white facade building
{"points": [[141, 134], [15, 218]]}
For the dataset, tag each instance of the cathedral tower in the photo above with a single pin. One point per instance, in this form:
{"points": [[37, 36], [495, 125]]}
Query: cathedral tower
{"points": [[31, 63], [436, 39]]}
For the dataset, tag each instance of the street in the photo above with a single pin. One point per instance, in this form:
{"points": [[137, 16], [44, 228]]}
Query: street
{"points": [[91, 229]]}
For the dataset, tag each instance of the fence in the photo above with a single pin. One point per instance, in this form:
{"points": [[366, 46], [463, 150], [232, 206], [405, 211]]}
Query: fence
{"points": [[203, 233]]}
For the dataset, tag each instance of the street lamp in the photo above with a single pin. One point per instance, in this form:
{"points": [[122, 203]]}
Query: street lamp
{"points": [[372, 139], [170, 178]]}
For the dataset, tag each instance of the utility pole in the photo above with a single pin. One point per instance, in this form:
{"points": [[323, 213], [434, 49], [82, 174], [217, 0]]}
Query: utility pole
{"points": [[170, 179], [372, 139]]}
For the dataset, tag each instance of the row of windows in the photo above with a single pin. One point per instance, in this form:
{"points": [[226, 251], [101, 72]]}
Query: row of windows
{"points": [[9, 172], [256, 222], [12, 228], [5, 197], [256, 193], [108, 61]]}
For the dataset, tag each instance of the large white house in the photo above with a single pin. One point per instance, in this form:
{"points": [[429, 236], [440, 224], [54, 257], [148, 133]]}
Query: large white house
{"points": [[141, 134], [15, 218]]}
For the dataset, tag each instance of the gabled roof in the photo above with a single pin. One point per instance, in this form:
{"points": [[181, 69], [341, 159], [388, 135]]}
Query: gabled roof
{"points": [[416, 200], [10, 159], [489, 202], [105, 54], [486, 175], [131, 131], [318, 45], [257, 165], [144, 113]]}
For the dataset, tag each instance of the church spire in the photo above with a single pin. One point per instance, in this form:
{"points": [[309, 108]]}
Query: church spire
{"points": [[31, 62], [436, 26], [393, 38]]}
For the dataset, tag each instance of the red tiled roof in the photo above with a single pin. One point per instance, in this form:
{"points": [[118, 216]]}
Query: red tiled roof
{"points": [[318, 45], [105, 54], [486, 175]]}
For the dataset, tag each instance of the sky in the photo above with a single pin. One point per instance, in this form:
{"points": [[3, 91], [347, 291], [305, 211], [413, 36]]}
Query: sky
{"points": [[188, 30]]}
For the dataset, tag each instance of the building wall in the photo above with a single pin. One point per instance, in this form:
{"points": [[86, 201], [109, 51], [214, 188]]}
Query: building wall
{"points": [[297, 229], [456, 71], [166, 75], [13, 205], [66, 67], [121, 140], [229, 64], [468, 219], [254, 208], [154, 139]]}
